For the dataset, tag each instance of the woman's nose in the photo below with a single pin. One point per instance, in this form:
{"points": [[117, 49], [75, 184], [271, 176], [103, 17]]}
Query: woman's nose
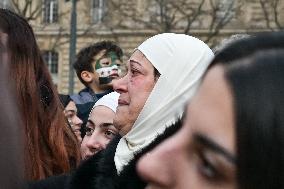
{"points": [[120, 85], [77, 120], [156, 166], [95, 143]]}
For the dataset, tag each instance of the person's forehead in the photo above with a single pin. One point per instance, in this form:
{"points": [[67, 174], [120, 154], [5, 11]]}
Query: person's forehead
{"points": [[139, 59], [102, 113], [71, 106], [211, 111]]}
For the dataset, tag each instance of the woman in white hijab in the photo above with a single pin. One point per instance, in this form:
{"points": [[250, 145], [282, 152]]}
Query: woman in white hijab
{"points": [[181, 61], [163, 74]]}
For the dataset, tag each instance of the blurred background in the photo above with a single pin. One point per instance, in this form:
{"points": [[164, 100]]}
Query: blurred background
{"points": [[63, 27]]}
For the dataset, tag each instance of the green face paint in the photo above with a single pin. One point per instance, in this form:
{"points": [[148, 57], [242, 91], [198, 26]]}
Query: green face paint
{"points": [[113, 60]]}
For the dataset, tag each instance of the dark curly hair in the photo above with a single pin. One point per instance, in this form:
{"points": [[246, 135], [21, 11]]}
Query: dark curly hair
{"points": [[85, 57]]}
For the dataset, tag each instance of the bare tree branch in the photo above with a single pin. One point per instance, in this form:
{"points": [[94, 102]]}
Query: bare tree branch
{"points": [[176, 15], [268, 8], [191, 19], [218, 22], [159, 16], [276, 14], [266, 14], [28, 9]]}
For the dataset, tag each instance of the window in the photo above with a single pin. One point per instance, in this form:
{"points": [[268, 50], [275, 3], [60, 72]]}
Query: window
{"points": [[98, 10], [50, 11], [51, 60]]}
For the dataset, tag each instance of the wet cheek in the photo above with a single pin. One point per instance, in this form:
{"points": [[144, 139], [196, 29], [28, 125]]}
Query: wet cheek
{"points": [[136, 83]]}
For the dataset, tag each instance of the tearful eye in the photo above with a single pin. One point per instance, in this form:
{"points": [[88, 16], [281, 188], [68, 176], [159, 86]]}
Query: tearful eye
{"points": [[134, 72]]}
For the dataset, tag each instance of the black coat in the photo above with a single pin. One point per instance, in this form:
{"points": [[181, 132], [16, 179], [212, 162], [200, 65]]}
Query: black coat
{"points": [[99, 172]]}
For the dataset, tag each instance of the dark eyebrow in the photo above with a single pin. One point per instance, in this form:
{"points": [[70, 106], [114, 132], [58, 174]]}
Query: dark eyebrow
{"points": [[106, 124], [91, 122], [101, 125], [135, 62], [73, 111], [203, 140]]}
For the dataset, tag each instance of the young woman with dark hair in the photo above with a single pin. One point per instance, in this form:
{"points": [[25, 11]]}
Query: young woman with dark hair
{"points": [[50, 146], [232, 135]]}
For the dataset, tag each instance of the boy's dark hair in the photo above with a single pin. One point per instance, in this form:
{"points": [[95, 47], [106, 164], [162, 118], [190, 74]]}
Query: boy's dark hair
{"points": [[85, 57]]}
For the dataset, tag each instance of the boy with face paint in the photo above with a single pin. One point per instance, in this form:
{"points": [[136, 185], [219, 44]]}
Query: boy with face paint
{"points": [[96, 66]]}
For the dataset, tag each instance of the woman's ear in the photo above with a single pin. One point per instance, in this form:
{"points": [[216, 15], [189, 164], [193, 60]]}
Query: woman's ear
{"points": [[86, 76]]}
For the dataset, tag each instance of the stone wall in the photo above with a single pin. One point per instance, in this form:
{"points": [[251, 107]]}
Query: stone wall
{"points": [[250, 19]]}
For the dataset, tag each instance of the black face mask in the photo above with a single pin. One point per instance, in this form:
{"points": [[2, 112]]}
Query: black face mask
{"points": [[105, 80]]}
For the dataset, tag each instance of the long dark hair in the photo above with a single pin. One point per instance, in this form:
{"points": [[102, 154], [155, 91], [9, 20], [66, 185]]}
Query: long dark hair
{"points": [[49, 143], [255, 72], [257, 85], [249, 45]]}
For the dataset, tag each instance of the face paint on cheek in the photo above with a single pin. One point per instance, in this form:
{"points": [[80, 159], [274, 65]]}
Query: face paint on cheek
{"points": [[107, 74]]}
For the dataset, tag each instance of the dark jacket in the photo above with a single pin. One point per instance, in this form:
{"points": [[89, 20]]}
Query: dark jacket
{"points": [[99, 172]]}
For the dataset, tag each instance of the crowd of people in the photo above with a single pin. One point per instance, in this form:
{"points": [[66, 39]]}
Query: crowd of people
{"points": [[180, 117]]}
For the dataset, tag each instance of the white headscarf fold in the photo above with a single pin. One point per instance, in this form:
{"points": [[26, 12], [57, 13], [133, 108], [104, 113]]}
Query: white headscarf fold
{"points": [[181, 61], [109, 100]]}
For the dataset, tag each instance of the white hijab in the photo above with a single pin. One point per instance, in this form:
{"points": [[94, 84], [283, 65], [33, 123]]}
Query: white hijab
{"points": [[181, 61], [109, 100]]}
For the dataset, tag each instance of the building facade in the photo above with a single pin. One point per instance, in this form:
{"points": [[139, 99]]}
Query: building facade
{"points": [[129, 22]]}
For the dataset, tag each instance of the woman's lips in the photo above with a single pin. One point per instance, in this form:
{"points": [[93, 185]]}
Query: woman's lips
{"points": [[122, 102]]}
